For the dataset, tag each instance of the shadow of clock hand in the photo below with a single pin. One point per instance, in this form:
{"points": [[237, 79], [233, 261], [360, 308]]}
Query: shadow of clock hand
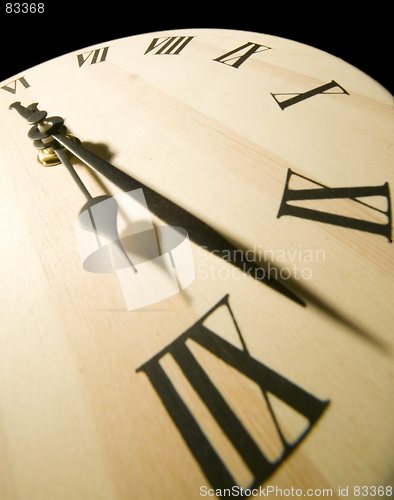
{"points": [[206, 236], [199, 231]]}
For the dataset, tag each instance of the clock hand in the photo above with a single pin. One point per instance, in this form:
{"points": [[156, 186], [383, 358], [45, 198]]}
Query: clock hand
{"points": [[94, 220], [93, 161], [62, 155], [204, 235], [50, 132], [89, 217], [199, 232]]}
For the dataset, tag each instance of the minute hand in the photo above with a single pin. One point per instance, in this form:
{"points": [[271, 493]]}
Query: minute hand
{"points": [[204, 235], [199, 231], [95, 162]]}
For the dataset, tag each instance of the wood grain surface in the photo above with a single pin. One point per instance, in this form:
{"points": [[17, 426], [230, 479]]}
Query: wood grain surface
{"points": [[79, 416]]}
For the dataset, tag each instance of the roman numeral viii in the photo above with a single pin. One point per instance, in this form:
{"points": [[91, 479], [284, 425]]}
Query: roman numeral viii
{"points": [[269, 382], [299, 97], [322, 192], [93, 56], [12, 87], [170, 45], [239, 55]]}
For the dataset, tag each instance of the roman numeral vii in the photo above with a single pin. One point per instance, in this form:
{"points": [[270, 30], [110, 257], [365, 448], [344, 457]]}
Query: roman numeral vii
{"points": [[93, 56]]}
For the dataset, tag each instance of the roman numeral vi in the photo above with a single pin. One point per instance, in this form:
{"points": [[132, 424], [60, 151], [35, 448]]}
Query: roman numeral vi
{"points": [[12, 87]]}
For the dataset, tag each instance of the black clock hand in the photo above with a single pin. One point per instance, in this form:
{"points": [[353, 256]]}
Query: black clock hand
{"points": [[199, 231], [204, 235], [50, 132], [94, 221], [63, 157], [93, 161]]}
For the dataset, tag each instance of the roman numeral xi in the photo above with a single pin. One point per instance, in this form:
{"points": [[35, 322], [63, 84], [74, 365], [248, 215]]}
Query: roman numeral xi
{"points": [[290, 196], [269, 382]]}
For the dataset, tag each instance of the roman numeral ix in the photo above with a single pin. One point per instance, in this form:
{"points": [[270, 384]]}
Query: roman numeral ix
{"points": [[269, 381], [239, 55]]}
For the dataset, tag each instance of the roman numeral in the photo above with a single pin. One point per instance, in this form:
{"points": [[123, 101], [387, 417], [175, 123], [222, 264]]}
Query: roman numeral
{"points": [[12, 87], [244, 52], [94, 56], [324, 192], [171, 45], [269, 381], [298, 97]]}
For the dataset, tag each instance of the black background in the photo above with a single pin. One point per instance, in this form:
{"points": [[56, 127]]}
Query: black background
{"points": [[359, 35]]}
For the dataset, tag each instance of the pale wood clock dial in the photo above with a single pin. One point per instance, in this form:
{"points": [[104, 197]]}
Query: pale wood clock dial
{"points": [[273, 156]]}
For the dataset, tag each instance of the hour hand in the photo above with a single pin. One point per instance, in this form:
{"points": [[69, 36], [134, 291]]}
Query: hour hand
{"points": [[27, 112], [48, 133], [42, 130], [93, 161], [53, 129]]}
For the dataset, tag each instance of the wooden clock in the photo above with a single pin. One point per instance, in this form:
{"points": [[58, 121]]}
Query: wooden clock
{"points": [[213, 313]]}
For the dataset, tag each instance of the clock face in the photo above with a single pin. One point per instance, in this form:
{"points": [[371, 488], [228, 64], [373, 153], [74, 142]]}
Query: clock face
{"points": [[221, 315]]}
